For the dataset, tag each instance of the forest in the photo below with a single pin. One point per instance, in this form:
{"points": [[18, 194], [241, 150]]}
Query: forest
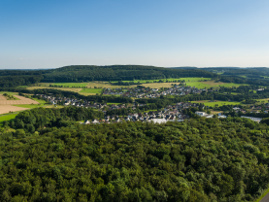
{"points": [[195, 160], [87, 73]]}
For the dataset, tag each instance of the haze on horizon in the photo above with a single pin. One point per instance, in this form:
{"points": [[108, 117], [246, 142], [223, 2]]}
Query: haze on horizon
{"points": [[172, 33]]}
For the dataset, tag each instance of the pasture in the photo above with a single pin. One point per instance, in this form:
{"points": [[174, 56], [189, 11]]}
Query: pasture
{"points": [[92, 88], [92, 91], [216, 102], [265, 100], [210, 84], [8, 117]]}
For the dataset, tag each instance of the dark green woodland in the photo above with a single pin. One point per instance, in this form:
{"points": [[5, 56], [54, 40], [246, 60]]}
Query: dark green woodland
{"points": [[46, 156]]}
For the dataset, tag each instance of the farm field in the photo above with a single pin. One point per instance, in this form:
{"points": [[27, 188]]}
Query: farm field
{"points": [[92, 88], [113, 103], [10, 108], [22, 103], [8, 117], [158, 85], [189, 79], [66, 85], [265, 100], [210, 84], [21, 100], [91, 91], [30, 106], [219, 103], [64, 89]]}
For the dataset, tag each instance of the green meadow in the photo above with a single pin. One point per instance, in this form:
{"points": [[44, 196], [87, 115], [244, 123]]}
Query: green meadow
{"points": [[30, 106], [219, 103], [189, 79], [91, 90], [7, 117]]}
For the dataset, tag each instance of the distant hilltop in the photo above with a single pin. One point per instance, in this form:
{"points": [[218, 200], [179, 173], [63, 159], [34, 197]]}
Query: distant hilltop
{"points": [[87, 73]]}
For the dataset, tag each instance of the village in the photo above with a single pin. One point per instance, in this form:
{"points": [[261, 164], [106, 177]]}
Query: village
{"points": [[146, 92], [169, 113]]}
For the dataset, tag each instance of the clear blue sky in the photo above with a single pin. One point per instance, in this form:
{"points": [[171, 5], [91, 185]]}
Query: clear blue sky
{"points": [[55, 33]]}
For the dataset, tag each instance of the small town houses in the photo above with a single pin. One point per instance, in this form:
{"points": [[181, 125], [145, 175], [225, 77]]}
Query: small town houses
{"points": [[143, 92], [169, 113]]}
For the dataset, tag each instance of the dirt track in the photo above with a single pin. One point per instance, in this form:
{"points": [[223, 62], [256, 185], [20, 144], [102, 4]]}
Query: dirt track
{"points": [[22, 100]]}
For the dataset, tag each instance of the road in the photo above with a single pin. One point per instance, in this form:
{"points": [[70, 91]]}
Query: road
{"points": [[265, 199]]}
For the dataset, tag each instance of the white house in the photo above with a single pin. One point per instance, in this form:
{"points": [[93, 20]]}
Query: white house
{"points": [[201, 113]]}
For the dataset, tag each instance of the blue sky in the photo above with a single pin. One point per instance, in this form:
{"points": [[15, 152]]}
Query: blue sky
{"points": [[203, 33]]}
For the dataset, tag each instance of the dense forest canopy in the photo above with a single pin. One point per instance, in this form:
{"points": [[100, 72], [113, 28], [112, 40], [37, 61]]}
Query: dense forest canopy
{"points": [[118, 72], [196, 160], [83, 73]]}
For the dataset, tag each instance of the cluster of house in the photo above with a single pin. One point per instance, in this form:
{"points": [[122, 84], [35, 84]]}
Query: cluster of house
{"points": [[82, 103], [204, 114], [254, 109], [142, 92], [170, 113]]}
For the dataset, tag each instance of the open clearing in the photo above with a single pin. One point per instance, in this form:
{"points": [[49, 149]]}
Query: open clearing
{"points": [[219, 103], [66, 85], [265, 100], [22, 100], [23, 103], [92, 88], [8, 117], [10, 108], [65, 89], [158, 85], [210, 84]]}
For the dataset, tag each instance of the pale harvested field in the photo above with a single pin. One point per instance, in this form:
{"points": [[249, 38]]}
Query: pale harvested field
{"points": [[97, 84], [65, 89], [158, 85], [100, 84], [9, 108], [22, 100], [2, 97]]}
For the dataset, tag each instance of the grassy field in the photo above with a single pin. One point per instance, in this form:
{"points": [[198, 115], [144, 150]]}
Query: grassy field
{"points": [[265, 100], [7, 117], [219, 103], [64, 89], [105, 84], [40, 101], [210, 84], [113, 103], [190, 79], [30, 106], [10, 93], [91, 90], [158, 85], [10, 116]]}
